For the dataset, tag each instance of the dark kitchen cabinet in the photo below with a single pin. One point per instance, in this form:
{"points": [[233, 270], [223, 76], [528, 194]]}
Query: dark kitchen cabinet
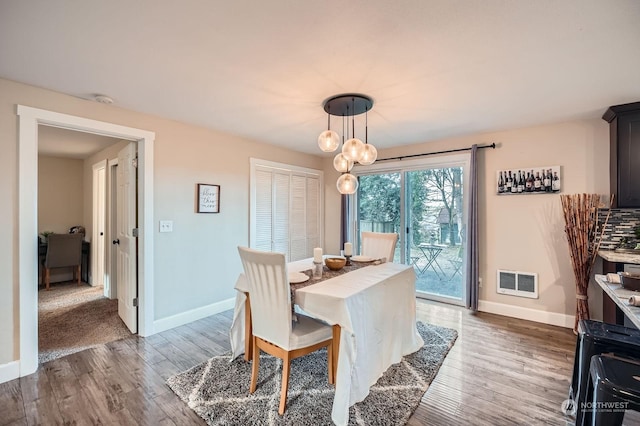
{"points": [[624, 129]]}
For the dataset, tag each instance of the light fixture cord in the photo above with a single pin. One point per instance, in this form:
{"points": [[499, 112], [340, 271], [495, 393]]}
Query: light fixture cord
{"points": [[353, 119], [366, 125], [343, 131]]}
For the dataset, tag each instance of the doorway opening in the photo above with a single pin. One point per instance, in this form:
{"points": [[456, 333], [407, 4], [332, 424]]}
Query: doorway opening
{"points": [[73, 197], [29, 120]]}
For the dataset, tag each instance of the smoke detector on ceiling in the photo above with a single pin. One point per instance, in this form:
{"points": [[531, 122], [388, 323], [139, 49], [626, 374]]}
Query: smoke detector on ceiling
{"points": [[103, 99]]}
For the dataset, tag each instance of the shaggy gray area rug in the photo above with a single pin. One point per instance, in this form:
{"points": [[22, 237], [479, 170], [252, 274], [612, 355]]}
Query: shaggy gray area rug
{"points": [[218, 391], [72, 318]]}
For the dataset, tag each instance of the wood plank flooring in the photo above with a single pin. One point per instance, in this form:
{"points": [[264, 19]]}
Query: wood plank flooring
{"points": [[501, 371]]}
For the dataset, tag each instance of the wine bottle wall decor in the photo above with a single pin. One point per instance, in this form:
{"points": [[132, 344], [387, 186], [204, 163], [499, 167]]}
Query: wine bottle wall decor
{"points": [[529, 180]]}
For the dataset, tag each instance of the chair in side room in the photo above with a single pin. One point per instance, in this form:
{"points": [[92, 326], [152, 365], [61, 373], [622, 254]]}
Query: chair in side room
{"points": [[379, 245], [274, 332], [63, 251]]}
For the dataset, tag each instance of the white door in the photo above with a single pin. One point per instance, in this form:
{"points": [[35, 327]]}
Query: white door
{"points": [[126, 251], [99, 224]]}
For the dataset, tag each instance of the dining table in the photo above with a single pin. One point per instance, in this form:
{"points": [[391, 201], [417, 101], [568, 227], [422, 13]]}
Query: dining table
{"points": [[373, 312]]}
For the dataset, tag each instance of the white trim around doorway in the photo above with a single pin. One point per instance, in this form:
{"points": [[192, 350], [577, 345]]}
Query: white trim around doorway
{"points": [[99, 211], [29, 119]]}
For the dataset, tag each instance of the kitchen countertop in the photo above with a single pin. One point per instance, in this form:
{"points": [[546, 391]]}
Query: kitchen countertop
{"points": [[620, 297], [613, 256]]}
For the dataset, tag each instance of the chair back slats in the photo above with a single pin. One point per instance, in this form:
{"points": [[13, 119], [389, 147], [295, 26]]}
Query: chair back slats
{"points": [[269, 295], [379, 245], [63, 250]]}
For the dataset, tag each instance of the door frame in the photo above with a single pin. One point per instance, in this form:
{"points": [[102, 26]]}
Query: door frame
{"points": [[110, 281], [99, 202], [29, 119]]}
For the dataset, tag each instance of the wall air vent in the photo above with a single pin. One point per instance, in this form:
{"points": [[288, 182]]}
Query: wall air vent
{"points": [[515, 283]]}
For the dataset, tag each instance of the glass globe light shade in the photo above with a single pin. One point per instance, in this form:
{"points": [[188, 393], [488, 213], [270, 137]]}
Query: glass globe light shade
{"points": [[347, 184], [352, 149], [341, 164], [369, 155], [328, 141]]}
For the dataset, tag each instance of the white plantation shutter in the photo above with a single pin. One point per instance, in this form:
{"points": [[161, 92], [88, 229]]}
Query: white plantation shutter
{"points": [[263, 210], [313, 214], [286, 209], [298, 216], [280, 213]]}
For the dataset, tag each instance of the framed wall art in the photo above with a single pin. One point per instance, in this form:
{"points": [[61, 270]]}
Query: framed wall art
{"points": [[208, 198], [528, 181]]}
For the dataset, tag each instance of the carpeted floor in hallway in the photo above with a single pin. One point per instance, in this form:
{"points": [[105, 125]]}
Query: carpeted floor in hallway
{"points": [[72, 318]]}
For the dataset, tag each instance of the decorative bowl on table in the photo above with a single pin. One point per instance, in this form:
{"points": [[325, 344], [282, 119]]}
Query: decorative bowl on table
{"points": [[630, 281], [335, 263]]}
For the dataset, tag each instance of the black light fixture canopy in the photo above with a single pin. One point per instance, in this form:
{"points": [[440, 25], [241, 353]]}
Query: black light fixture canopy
{"points": [[348, 104]]}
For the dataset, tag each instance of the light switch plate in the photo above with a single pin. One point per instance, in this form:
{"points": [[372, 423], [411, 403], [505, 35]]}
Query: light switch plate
{"points": [[166, 226]]}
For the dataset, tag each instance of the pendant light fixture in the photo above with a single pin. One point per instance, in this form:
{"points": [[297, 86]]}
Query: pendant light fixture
{"points": [[328, 140], [353, 150]]}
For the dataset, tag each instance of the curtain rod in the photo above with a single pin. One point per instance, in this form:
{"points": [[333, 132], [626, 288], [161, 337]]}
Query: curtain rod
{"points": [[492, 146]]}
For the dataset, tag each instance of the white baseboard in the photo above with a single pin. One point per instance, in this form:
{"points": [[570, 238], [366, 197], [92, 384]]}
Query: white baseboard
{"points": [[192, 315], [9, 371], [551, 318]]}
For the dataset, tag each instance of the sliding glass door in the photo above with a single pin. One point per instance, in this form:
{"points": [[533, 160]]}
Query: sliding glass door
{"points": [[435, 245], [379, 204], [424, 201]]}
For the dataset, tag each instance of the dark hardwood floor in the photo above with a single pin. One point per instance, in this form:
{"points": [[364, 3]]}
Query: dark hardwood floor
{"points": [[501, 371]]}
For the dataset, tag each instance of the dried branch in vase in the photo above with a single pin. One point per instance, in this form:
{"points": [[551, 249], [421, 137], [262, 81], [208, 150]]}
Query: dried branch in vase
{"points": [[584, 236]]}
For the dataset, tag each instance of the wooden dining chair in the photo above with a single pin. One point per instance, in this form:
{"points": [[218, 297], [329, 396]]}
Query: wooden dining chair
{"points": [[274, 332], [379, 245], [63, 250]]}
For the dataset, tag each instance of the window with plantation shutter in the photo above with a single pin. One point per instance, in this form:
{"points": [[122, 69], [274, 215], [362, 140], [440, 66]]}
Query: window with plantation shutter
{"points": [[262, 210], [285, 209]]}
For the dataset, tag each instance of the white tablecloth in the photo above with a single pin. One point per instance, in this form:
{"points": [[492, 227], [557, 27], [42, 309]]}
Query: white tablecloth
{"points": [[375, 307]]}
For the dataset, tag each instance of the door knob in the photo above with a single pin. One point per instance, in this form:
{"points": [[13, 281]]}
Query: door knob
{"points": [[116, 241]]}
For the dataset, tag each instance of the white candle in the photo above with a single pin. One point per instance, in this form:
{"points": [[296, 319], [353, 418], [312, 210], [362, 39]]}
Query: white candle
{"points": [[317, 255], [348, 249]]}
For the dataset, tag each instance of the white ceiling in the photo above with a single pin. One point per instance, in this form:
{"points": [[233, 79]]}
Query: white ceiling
{"points": [[57, 142], [261, 69]]}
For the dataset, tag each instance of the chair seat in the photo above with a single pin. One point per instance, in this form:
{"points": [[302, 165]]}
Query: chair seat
{"points": [[618, 376], [273, 330], [308, 331], [612, 389]]}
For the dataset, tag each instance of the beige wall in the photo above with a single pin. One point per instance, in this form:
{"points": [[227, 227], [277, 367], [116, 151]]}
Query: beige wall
{"points": [[331, 208], [60, 193], [197, 264], [525, 233]]}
